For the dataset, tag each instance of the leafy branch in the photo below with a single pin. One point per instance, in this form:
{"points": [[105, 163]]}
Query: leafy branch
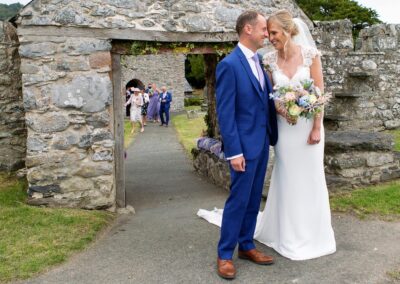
{"points": [[151, 47]]}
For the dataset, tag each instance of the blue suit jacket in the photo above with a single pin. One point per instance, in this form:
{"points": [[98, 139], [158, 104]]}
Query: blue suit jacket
{"points": [[168, 99], [246, 114]]}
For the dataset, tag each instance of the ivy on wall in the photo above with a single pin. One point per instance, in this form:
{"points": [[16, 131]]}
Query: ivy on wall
{"points": [[151, 47]]}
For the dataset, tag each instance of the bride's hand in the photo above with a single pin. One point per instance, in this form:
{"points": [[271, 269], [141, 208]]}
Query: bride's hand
{"points": [[314, 137], [290, 119], [280, 109]]}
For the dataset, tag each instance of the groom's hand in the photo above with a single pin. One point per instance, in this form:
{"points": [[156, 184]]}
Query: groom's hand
{"points": [[238, 164]]}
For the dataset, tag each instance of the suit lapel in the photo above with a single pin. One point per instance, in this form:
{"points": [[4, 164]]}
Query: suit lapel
{"points": [[268, 84], [250, 74]]}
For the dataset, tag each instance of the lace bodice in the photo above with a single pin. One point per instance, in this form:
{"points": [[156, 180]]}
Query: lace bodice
{"points": [[303, 71]]}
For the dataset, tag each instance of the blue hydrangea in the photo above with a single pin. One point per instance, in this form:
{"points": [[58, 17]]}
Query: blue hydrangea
{"points": [[303, 101]]}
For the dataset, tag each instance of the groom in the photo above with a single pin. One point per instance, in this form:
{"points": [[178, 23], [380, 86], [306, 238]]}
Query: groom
{"points": [[247, 121]]}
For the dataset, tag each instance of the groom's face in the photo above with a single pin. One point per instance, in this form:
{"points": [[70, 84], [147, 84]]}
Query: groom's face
{"points": [[259, 32]]}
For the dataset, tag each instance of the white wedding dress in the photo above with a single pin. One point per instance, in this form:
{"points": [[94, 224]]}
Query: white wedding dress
{"points": [[296, 221]]}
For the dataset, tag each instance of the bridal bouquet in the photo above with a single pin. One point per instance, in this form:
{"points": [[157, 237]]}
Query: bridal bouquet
{"points": [[304, 99]]}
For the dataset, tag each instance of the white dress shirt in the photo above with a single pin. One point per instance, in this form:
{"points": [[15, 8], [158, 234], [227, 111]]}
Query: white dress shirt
{"points": [[249, 54]]}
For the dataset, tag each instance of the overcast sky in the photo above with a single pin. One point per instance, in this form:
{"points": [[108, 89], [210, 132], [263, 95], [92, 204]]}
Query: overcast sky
{"points": [[388, 10]]}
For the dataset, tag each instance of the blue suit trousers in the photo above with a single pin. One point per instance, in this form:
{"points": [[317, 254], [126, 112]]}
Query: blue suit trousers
{"points": [[164, 110], [242, 206]]}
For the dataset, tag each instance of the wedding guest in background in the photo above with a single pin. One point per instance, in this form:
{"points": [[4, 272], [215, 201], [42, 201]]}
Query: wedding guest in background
{"points": [[145, 105], [165, 102], [154, 103], [148, 89], [136, 101], [127, 96]]}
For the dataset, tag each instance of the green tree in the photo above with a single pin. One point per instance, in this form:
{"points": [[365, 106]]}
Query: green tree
{"points": [[328, 10], [195, 70], [8, 11]]}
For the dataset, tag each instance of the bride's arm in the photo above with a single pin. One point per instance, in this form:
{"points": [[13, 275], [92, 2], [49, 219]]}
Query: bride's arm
{"points": [[278, 106], [316, 75]]}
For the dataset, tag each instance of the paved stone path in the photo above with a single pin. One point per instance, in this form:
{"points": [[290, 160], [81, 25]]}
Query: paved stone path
{"points": [[165, 242]]}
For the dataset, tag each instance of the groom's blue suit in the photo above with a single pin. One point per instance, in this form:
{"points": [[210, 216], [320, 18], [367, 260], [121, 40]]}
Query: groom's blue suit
{"points": [[247, 121]]}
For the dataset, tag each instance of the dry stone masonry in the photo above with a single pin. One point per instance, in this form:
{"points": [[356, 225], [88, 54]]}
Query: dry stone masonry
{"points": [[365, 80], [67, 96], [12, 116], [208, 16], [365, 84]]}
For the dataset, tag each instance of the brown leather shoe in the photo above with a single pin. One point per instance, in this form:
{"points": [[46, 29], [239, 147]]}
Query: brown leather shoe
{"points": [[256, 257], [226, 269]]}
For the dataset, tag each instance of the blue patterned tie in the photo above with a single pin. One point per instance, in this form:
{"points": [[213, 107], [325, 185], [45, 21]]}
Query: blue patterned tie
{"points": [[259, 71]]}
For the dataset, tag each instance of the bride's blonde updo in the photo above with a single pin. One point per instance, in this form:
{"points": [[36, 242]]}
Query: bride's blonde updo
{"points": [[285, 20]]}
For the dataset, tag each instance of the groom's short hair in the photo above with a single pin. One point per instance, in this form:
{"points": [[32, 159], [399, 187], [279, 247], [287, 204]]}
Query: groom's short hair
{"points": [[247, 17]]}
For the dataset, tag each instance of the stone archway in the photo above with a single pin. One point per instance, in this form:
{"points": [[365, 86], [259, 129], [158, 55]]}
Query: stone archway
{"points": [[121, 49], [136, 83]]}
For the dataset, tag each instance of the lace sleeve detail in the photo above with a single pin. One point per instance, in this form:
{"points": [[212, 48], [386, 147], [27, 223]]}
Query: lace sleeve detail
{"points": [[269, 61], [309, 53]]}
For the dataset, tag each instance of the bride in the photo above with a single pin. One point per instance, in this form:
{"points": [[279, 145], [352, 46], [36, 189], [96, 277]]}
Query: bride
{"points": [[296, 221]]}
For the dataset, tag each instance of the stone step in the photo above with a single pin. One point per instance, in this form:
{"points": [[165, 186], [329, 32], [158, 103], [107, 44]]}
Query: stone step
{"points": [[335, 182], [360, 74], [349, 94], [343, 141], [333, 117]]}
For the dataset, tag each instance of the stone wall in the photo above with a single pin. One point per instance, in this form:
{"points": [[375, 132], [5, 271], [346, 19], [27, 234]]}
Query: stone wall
{"points": [[217, 171], [364, 82], [356, 159], [174, 16], [163, 69], [12, 116], [209, 165], [67, 93]]}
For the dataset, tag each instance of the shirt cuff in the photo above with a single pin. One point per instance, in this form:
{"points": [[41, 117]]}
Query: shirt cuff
{"points": [[233, 157]]}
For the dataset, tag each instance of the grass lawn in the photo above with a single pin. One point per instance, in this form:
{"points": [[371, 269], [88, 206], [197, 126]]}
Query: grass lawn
{"points": [[193, 108], [382, 201], [33, 238], [128, 137], [188, 130]]}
